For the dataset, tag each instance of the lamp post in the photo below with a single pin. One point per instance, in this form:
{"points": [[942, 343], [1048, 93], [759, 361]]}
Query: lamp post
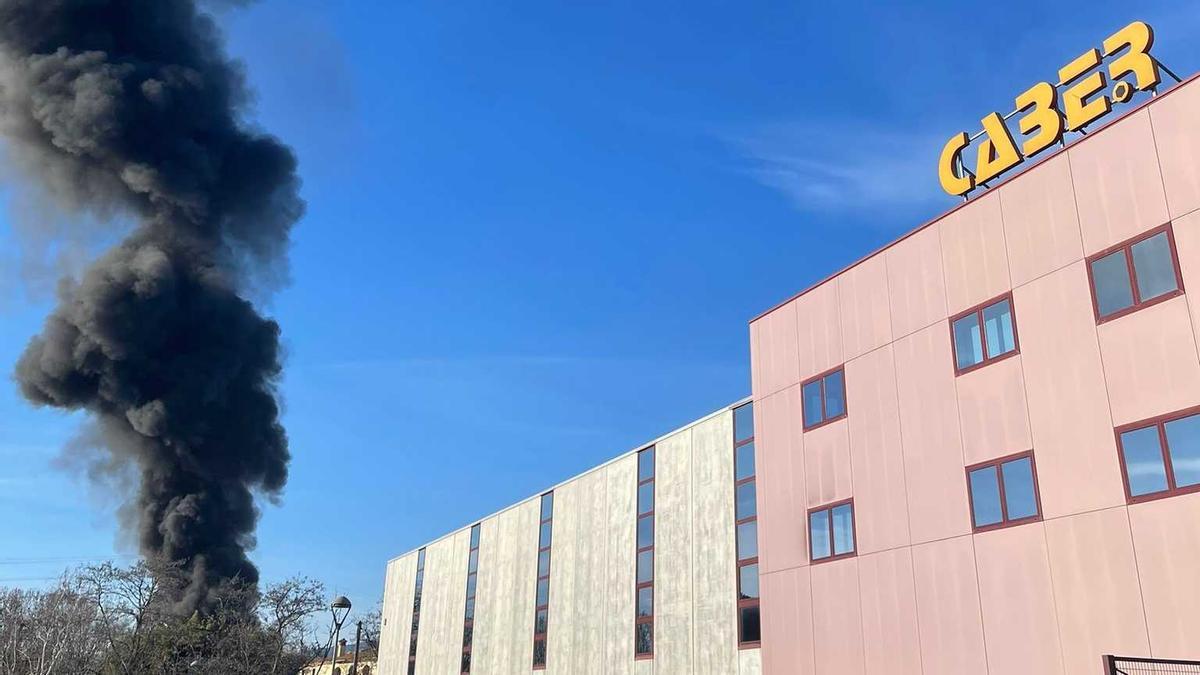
{"points": [[340, 609]]}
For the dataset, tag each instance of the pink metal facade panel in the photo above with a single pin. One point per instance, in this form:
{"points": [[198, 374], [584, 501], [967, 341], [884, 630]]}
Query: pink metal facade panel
{"points": [[1068, 402], [866, 314], [779, 454], [820, 333], [1041, 224], [1118, 187], [827, 463], [1091, 574], [1166, 538], [837, 618], [776, 363], [1096, 588], [1016, 594], [881, 502], [787, 622], [915, 283], [1177, 139], [994, 415], [891, 641], [973, 254], [1150, 362], [948, 611], [933, 459]]}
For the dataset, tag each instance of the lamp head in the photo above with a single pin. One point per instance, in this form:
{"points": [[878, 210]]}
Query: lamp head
{"points": [[340, 608]]}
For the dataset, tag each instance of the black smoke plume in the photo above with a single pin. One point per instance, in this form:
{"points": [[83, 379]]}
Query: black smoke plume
{"points": [[132, 106]]}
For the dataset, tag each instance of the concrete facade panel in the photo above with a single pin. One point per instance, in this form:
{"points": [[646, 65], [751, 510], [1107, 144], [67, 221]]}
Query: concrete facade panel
{"points": [[1041, 223], [948, 612], [618, 595], [487, 584], [1096, 588], [974, 256], [993, 411], [880, 499], [915, 283], [827, 463], [788, 622], [396, 613], [1118, 186], [673, 621], [1064, 385], [1166, 538], [891, 641], [775, 346], [715, 634], [865, 315], [1150, 362], [750, 662], [439, 638], [782, 484], [565, 611], [1016, 594], [933, 460], [590, 575], [837, 617], [819, 327], [1177, 141]]}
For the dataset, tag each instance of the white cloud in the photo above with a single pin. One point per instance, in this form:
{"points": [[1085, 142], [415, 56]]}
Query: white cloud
{"points": [[842, 167]]}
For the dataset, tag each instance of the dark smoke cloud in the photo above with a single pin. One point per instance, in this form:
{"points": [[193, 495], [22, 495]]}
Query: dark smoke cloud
{"points": [[132, 106]]}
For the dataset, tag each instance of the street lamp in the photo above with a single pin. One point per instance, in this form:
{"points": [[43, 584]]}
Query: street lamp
{"points": [[340, 609]]}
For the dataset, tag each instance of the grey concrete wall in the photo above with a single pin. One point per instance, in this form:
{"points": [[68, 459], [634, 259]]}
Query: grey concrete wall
{"points": [[592, 575]]}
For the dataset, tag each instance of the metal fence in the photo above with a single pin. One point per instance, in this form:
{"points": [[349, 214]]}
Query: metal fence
{"points": [[1128, 665]]}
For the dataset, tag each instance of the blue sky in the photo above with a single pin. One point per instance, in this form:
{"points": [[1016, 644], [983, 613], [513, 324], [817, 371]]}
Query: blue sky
{"points": [[537, 231]]}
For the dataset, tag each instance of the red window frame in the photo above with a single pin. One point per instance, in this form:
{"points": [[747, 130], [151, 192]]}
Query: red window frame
{"points": [[1004, 519], [1161, 422], [418, 587], [469, 619], [977, 310], [639, 620], [1127, 246], [747, 603], [543, 636], [825, 419], [853, 529]]}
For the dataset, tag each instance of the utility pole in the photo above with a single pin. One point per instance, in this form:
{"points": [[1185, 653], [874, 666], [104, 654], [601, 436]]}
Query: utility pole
{"points": [[357, 640]]}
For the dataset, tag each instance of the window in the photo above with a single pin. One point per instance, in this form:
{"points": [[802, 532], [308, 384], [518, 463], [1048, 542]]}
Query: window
{"points": [[1161, 457], [746, 526], [416, 618], [1138, 273], [541, 609], [643, 619], [831, 531], [824, 398], [1003, 492], [984, 334], [469, 613]]}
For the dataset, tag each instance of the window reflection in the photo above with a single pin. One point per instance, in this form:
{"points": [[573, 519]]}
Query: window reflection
{"points": [[1144, 461]]}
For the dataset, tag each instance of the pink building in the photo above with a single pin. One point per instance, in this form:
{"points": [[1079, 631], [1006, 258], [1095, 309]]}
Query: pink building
{"points": [[979, 448]]}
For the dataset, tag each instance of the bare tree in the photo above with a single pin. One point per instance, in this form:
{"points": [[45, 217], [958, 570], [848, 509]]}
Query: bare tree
{"points": [[285, 609]]}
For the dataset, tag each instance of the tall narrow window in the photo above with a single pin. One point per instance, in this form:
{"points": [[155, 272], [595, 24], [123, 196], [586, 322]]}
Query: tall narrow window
{"points": [[1003, 492], [746, 516], [1137, 273], [541, 610], [643, 622], [831, 531], [984, 334], [416, 616], [469, 614], [824, 398], [1160, 457]]}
